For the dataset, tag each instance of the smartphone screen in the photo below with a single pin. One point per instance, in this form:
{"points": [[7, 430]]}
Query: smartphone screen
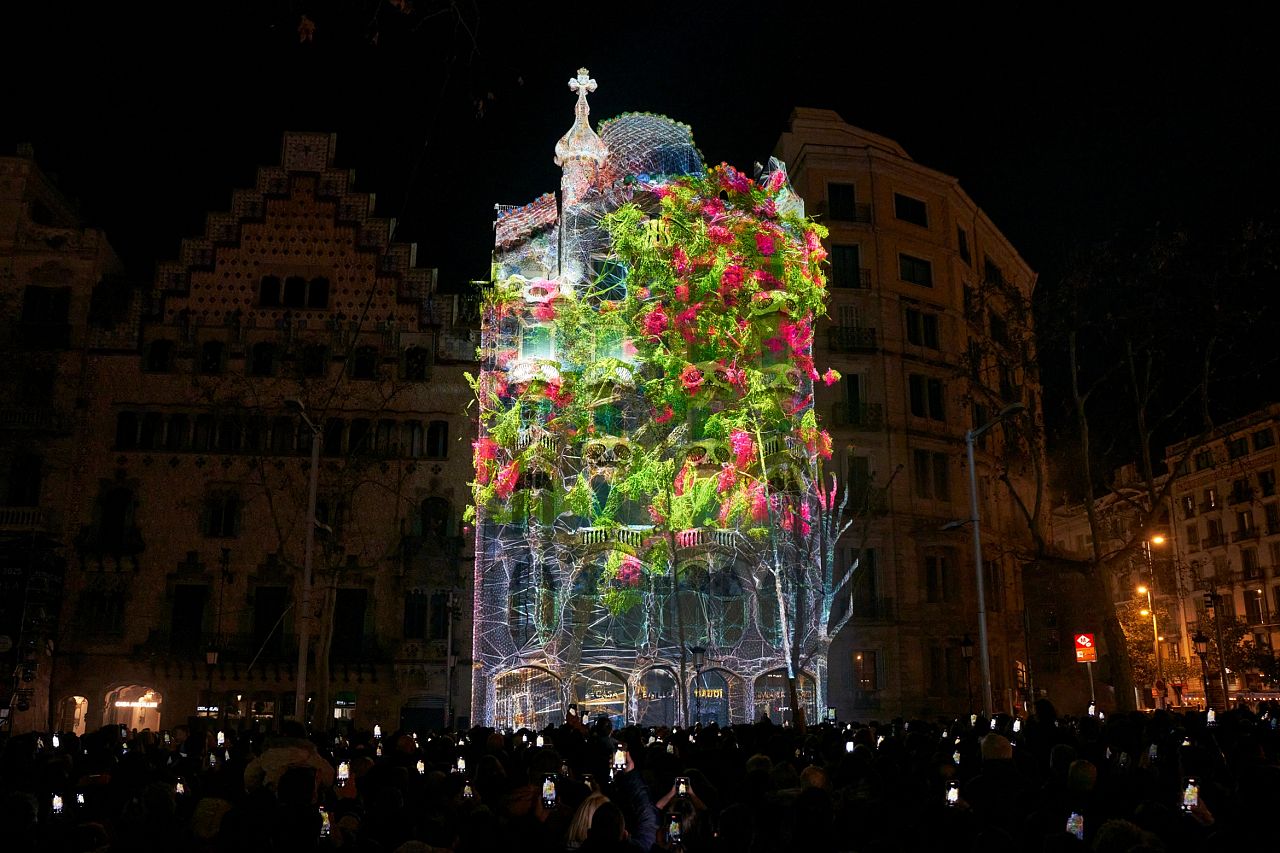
{"points": [[55, 805], [179, 788], [222, 739], [1152, 752], [344, 773], [549, 791], [573, 710], [468, 793], [422, 767], [848, 746], [1075, 825], [540, 742], [620, 758], [80, 799], [682, 786], [1190, 793], [953, 793], [461, 765], [326, 826], [673, 828]]}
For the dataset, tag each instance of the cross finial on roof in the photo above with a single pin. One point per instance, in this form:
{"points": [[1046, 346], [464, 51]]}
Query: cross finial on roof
{"points": [[581, 140]]}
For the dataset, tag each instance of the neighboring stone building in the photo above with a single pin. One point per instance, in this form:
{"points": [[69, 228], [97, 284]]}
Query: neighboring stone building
{"points": [[930, 324], [52, 272], [1226, 536], [186, 502]]}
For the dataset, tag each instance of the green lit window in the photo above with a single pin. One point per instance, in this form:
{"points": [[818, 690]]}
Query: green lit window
{"points": [[537, 342]]}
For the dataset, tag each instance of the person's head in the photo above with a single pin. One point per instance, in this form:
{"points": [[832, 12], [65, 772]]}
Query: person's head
{"points": [[607, 824], [814, 777], [580, 825], [1060, 758], [1082, 776], [996, 748]]}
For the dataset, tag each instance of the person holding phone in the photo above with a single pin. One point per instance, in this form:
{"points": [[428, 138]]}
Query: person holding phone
{"points": [[675, 794]]}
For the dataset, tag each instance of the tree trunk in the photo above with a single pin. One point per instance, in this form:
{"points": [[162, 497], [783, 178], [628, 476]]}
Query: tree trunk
{"points": [[1117, 649]]}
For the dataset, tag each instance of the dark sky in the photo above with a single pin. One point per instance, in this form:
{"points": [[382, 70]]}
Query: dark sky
{"points": [[1064, 131]]}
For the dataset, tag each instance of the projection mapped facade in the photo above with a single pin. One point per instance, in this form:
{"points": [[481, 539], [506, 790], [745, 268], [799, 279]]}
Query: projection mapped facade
{"points": [[654, 538]]}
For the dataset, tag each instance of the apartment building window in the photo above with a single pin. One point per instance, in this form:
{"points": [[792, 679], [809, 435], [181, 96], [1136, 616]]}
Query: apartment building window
{"points": [[1210, 499], [937, 669], [1249, 564], [915, 270], [1273, 520], [269, 291], [415, 615], [999, 328], [911, 210], [315, 360], [221, 516], [1204, 460], [962, 242], [1237, 447], [842, 202], [1240, 491], [348, 623], [1244, 523], [417, 360], [931, 475], [846, 266], [1253, 611], [866, 670], [991, 272], [301, 293], [1263, 438], [922, 328], [927, 397], [1213, 533], [364, 363], [212, 357], [331, 444], [159, 357], [262, 361], [1193, 534], [1267, 482], [187, 617], [864, 592], [1188, 506]]}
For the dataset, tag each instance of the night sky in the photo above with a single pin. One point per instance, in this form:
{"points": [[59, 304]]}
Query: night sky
{"points": [[1065, 132]]}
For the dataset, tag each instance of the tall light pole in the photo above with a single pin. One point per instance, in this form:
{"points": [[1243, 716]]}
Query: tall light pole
{"points": [[304, 625], [699, 657], [978, 570], [1150, 610]]}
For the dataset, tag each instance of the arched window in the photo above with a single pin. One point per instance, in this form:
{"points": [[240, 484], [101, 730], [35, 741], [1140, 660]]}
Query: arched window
{"points": [[314, 360], [126, 430], [211, 357], [318, 293], [177, 433], [116, 511], [269, 292], [364, 363], [358, 437], [436, 519], [262, 362], [203, 438], [282, 432], [229, 435], [438, 440], [159, 356], [295, 292], [149, 434]]}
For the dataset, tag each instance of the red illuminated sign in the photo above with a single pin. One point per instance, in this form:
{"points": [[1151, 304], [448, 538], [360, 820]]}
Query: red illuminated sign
{"points": [[1086, 651]]}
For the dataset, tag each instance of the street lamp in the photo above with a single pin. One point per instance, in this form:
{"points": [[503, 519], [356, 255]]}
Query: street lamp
{"points": [[1202, 649], [969, 438], [966, 651], [1150, 610], [699, 657], [300, 694]]}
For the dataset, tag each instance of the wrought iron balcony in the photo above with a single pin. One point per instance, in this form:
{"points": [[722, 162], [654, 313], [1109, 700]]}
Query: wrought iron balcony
{"points": [[860, 415], [851, 339]]}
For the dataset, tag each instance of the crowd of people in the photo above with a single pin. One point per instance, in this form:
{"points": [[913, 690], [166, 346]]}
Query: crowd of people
{"points": [[1168, 780]]}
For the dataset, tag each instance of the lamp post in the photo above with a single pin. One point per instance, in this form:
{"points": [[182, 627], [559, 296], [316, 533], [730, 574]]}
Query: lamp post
{"points": [[1202, 649], [1150, 610], [966, 651], [304, 625], [985, 648], [699, 657]]}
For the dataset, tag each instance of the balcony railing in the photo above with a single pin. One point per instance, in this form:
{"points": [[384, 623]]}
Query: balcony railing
{"points": [[1213, 540], [859, 279], [1209, 506], [873, 609], [859, 212], [232, 648], [607, 535], [851, 339], [1244, 535], [24, 518], [1241, 496], [862, 415]]}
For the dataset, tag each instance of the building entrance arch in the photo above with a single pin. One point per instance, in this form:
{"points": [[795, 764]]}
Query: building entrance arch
{"points": [[71, 715], [135, 706]]}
